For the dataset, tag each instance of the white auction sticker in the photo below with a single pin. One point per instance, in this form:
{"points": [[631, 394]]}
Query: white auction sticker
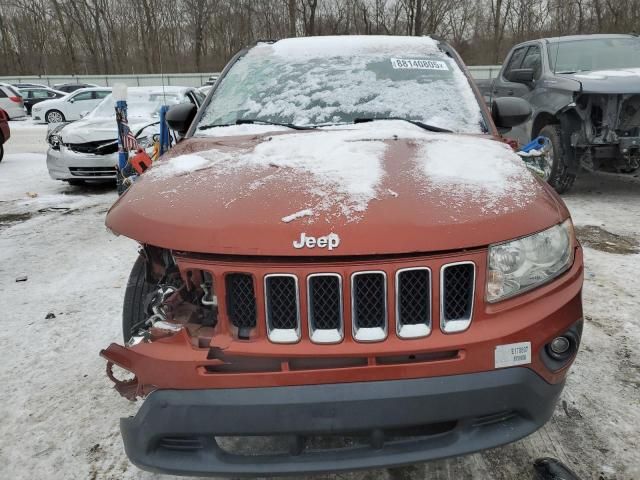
{"points": [[513, 354], [418, 64]]}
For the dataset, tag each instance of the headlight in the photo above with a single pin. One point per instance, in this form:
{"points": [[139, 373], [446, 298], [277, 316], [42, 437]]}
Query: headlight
{"points": [[523, 264], [54, 141]]}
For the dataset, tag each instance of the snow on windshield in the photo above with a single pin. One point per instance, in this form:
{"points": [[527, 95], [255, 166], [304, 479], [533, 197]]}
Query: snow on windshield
{"points": [[326, 80], [343, 168], [138, 104]]}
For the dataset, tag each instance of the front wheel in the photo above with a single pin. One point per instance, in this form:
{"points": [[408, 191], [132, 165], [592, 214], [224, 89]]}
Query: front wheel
{"points": [[133, 310], [1, 151], [556, 170], [54, 116]]}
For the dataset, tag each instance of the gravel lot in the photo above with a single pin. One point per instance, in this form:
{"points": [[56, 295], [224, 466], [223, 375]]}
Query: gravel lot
{"points": [[60, 414]]}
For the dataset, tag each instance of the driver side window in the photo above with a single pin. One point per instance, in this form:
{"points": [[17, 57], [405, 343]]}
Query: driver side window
{"points": [[533, 60], [514, 62]]}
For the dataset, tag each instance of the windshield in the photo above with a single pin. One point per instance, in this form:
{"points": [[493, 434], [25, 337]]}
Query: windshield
{"points": [[139, 104], [595, 54], [311, 82]]}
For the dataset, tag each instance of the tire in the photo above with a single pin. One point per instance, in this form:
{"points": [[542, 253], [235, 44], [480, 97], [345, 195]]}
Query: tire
{"points": [[54, 116], [133, 310], [558, 171], [1, 150]]}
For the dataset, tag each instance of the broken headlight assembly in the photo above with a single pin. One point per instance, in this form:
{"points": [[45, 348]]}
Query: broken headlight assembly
{"points": [[520, 265], [54, 140]]}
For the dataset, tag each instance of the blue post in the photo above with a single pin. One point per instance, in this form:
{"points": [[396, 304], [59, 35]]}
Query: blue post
{"points": [[164, 130], [121, 116]]}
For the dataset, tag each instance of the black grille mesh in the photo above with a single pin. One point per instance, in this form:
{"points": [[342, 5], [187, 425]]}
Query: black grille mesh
{"points": [[458, 291], [282, 305], [369, 300], [241, 300], [414, 297], [324, 302]]}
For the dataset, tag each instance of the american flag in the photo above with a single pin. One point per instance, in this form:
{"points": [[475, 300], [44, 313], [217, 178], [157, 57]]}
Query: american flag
{"points": [[129, 141]]}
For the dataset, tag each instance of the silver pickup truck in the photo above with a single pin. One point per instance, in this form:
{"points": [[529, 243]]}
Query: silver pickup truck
{"points": [[585, 94]]}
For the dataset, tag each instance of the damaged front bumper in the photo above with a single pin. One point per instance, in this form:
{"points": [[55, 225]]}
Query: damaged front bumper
{"points": [[389, 423], [65, 164]]}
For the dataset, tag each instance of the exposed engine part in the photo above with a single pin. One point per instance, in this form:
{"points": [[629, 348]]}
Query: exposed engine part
{"points": [[605, 131]]}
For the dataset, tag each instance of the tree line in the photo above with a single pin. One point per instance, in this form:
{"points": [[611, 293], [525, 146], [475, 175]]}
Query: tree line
{"points": [[39, 37]]}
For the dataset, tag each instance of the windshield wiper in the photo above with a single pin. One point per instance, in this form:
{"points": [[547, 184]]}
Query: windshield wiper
{"points": [[252, 121], [426, 126]]}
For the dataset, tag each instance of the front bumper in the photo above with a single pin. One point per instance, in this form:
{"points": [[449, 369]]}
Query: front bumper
{"points": [[175, 430], [65, 164]]}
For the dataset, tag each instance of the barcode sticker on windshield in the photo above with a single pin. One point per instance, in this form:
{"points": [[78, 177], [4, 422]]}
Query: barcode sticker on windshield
{"points": [[415, 64]]}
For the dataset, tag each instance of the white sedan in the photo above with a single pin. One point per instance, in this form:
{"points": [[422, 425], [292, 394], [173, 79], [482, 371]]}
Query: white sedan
{"points": [[70, 107]]}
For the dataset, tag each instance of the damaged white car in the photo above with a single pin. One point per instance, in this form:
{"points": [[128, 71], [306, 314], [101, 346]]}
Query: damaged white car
{"points": [[88, 149]]}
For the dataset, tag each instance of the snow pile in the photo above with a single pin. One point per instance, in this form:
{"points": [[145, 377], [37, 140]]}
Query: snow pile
{"points": [[477, 170], [294, 216], [344, 163], [180, 165]]}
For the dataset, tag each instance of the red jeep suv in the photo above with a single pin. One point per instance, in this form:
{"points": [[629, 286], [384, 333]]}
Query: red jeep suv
{"points": [[342, 246]]}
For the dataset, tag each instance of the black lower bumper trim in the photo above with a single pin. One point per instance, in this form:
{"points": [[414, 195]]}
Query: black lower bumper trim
{"points": [[175, 431]]}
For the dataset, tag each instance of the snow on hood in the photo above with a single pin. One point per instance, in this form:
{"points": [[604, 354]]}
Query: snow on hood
{"points": [[347, 168], [477, 170], [606, 74], [98, 129]]}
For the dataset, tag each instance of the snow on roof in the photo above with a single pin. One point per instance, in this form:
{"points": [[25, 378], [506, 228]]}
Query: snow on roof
{"points": [[352, 45]]}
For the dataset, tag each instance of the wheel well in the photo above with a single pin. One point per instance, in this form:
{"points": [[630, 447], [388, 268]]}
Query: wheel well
{"points": [[541, 121]]}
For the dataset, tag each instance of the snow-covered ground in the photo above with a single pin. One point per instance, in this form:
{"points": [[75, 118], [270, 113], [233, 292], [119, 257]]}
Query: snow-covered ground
{"points": [[60, 414]]}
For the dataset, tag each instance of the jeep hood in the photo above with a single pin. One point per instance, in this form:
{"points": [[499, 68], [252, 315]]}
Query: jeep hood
{"points": [[383, 188], [616, 81], [99, 129]]}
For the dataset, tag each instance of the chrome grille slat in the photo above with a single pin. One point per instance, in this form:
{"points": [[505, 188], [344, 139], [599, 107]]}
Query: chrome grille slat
{"points": [[324, 294], [457, 293], [413, 302], [369, 305], [282, 307]]}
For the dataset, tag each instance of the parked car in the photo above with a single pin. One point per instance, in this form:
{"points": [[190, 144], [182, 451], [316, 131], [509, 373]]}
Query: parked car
{"points": [[585, 95], [342, 245], [71, 106], [5, 132], [212, 80], [72, 87], [35, 95], [11, 101], [87, 149], [29, 85]]}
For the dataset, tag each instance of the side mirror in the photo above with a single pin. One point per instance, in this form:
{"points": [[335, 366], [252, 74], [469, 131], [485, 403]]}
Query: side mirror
{"points": [[521, 75], [71, 100], [84, 113], [179, 117], [507, 112]]}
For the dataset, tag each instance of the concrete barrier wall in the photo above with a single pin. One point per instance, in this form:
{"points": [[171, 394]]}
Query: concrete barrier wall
{"points": [[180, 79]]}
